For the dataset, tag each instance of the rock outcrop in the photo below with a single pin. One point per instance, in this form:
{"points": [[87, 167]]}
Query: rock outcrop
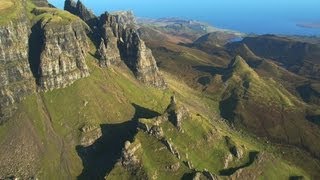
{"points": [[89, 135], [79, 10], [140, 60], [204, 175], [110, 33], [101, 53], [71, 6], [176, 114], [63, 50], [122, 42], [16, 80], [129, 158], [235, 150]]}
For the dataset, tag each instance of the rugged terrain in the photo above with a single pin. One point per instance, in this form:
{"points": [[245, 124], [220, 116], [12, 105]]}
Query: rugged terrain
{"points": [[100, 97]]}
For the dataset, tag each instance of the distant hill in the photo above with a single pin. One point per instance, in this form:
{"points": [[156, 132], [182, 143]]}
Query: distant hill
{"points": [[309, 25], [188, 29]]}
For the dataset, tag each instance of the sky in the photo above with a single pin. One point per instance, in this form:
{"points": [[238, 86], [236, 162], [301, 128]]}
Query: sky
{"points": [[250, 16]]}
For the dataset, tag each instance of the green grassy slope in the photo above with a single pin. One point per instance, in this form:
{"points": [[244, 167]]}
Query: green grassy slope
{"points": [[9, 10], [109, 95], [202, 142], [106, 97], [260, 96]]}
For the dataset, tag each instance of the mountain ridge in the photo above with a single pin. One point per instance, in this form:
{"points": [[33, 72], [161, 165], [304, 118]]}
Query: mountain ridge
{"points": [[103, 101]]}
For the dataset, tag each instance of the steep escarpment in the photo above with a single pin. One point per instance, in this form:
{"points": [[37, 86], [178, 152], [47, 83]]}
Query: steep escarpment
{"points": [[122, 44], [140, 60], [63, 46], [49, 54], [16, 80], [121, 36]]}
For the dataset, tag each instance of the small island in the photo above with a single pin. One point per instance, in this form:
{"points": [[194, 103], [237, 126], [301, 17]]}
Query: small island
{"points": [[309, 25]]}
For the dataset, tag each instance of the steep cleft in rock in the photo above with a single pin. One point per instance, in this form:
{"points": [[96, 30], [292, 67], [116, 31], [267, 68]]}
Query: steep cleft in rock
{"points": [[63, 50], [16, 80]]}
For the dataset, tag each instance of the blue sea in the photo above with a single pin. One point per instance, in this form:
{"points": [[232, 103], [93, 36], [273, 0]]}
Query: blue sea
{"points": [[249, 16]]}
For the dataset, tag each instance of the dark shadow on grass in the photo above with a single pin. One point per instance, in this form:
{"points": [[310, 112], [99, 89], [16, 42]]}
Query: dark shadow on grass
{"points": [[314, 119], [188, 176], [228, 172], [99, 158], [210, 69], [204, 81], [226, 73], [296, 178], [227, 107]]}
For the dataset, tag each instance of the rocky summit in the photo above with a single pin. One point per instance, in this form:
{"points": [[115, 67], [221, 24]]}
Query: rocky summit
{"points": [[117, 32], [109, 96], [64, 48]]}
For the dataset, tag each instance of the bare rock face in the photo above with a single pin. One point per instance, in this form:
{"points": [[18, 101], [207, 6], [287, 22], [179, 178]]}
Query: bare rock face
{"points": [[204, 175], [175, 113], [125, 18], [90, 134], [235, 150], [129, 159], [110, 31], [79, 9], [140, 60], [16, 80], [62, 59], [101, 53], [71, 6], [122, 42]]}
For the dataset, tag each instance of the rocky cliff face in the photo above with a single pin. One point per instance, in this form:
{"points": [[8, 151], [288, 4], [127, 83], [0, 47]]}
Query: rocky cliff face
{"points": [[62, 55], [16, 80], [110, 32], [101, 53], [139, 59], [80, 10], [125, 18], [124, 43], [117, 33]]}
